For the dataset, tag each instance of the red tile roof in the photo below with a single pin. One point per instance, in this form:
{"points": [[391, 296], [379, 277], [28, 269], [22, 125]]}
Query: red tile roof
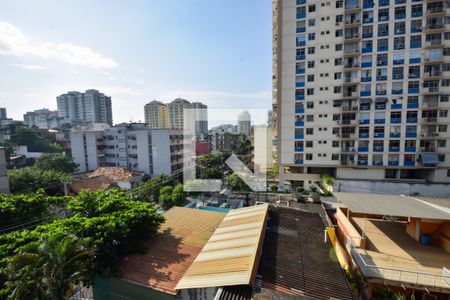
{"points": [[173, 250], [93, 184], [114, 173]]}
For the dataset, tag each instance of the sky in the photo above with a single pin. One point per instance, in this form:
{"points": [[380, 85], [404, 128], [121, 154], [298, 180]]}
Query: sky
{"points": [[218, 52]]}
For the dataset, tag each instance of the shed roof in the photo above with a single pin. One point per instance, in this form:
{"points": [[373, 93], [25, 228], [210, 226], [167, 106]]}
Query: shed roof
{"points": [[171, 252], [231, 255], [115, 173], [391, 205]]}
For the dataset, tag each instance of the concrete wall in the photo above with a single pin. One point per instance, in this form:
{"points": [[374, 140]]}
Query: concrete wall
{"points": [[4, 184], [161, 152], [394, 187]]}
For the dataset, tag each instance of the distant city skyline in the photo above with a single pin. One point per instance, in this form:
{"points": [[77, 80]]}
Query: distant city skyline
{"points": [[160, 50]]}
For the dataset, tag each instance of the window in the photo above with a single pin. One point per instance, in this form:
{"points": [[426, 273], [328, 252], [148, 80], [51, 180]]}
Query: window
{"points": [[337, 89], [383, 29], [338, 75], [310, 64], [339, 33], [442, 128], [310, 78], [334, 156], [311, 22], [443, 113], [444, 98], [310, 91], [446, 51], [312, 8], [338, 61], [335, 144], [338, 47], [311, 36], [445, 82], [399, 28], [311, 50], [339, 4], [309, 144], [309, 156], [339, 18], [310, 104], [310, 118], [415, 41]]}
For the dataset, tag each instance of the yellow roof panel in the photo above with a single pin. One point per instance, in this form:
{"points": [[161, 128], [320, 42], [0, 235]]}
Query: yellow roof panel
{"points": [[230, 257]]}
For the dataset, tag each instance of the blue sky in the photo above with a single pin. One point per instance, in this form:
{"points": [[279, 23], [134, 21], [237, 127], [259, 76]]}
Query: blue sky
{"points": [[213, 51]]}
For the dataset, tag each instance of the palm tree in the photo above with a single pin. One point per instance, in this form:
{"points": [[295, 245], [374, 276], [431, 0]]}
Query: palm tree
{"points": [[50, 267]]}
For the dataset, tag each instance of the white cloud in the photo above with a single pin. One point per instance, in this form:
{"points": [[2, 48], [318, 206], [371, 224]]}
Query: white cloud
{"points": [[118, 90], [14, 42], [29, 67]]}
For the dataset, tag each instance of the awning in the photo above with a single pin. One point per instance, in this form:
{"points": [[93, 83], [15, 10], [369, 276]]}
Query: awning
{"points": [[429, 158]]}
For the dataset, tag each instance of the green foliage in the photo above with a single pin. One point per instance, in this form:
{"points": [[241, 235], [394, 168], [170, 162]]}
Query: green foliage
{"points": [[150, 190], [313, 188], [17, 209], [113, 225], [326, 179], [274, 188], [211, 160], [357, 283], [235, 182], [49, 267], [30, 179], [34, 142], [178, 195], [211, 173], [55, 161], [299, 189], [165, 197]]}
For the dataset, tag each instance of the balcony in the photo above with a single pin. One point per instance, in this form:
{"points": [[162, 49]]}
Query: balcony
{"points": [[434, 26], [300, 43], [366, 79], [300, 71], [380, 106], [416, 13], [409, 163], [410, 149], [396, 120], [368, 4], [429, 120], [382, 48], [381, 92], [381, 77], [298, 149], [352, 5], [411, 120], [414, 60], [363, 135], [299, 123], [365, 93], [299, 136], [432, 74], [378, 148], [396, 106], [349, 108], [364, 121], [368, 20], [399, 61], [367, 50], [299, 110], [347, 94], [377, 163], [411, 134], [299, 84], [393, 163], [299, 161], [378, 135], [301, 15], [348, 149], [347, 162], [431, 90], [435, 10], [300, 97], [380, 121], [300, 57], [362, 162], [394, 134], [367, 35], [366, 65], [394, 148], [413, 90], [364, 107], [397, 76], [301, 2], [301, 29], [413, 105], [363, 149], [351, 65], [434, 42]]}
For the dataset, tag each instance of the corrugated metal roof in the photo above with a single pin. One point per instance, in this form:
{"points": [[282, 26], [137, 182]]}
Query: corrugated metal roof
{"points": [[391, 205], [231, 255], [172, 251]]}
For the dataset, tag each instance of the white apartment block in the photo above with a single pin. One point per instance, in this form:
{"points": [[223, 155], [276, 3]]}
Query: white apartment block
{"points": [[88, 107], [4, 183], [156, 114], [176, 111], [43, 119], [361, 89], [244, 123], [136, 147]]}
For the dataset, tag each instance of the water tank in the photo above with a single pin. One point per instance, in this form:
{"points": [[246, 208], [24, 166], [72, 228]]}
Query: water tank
{"points": [[425, 239]]}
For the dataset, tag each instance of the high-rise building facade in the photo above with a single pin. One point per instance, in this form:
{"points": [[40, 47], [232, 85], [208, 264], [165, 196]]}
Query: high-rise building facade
{"points": [[44, 119], [361, 89], [156, 114], [3, 115], [244, 123], [176, 112], [201, 120], [88, 107]]}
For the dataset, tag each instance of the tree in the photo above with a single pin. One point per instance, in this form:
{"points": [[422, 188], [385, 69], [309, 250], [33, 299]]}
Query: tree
{"points": [[235, 182], [55, 161], [178, 195], [150, 190], [211, 173], [31, 179], [50, 267], [34, 142], [165, 197]]}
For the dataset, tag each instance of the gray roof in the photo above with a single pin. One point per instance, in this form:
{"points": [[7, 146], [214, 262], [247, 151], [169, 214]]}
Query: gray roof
{"points": [[442, 201], [392, 205]]}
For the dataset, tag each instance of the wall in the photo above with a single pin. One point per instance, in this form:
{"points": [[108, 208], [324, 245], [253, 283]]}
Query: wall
{"points": [[395, 188], [161, 152], [4, 184]]}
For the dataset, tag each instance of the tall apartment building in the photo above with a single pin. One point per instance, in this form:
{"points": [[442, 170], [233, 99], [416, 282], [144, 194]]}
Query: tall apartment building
{"points": [[361, 89], [244, 123], [201, 119], [156, 114], [3, 115], [4, 183], [136, 147], [88, 107], [176, 111], [43, 119]]}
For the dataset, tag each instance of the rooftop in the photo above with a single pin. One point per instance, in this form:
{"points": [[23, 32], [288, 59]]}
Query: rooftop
{"points": [[114, 173], [392, 205], [297, 261], [231, 255], [93, 184], [169, 254]]}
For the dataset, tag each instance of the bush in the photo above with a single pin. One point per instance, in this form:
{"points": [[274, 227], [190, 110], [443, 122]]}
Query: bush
{"points": [[299, 189], [55, 161], [274, 188], [31, 179], [313, 188]]}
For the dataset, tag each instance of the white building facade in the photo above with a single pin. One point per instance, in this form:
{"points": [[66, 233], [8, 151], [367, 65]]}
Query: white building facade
{"points": [[43, 119], [361, 89], [135, 147]]}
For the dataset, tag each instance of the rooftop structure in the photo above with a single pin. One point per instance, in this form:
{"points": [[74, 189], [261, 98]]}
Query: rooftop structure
{"points": [[397, 241]]}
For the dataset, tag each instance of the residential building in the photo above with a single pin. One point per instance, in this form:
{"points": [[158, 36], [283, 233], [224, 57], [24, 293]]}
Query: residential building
{"points": [[397, 242], [43, 119], [222, 140], [4, 183], [3, 115], [361, 89], [156, 114], [176, 112], [88, 107], [201, 120], [136, 147], [244, 123]]}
